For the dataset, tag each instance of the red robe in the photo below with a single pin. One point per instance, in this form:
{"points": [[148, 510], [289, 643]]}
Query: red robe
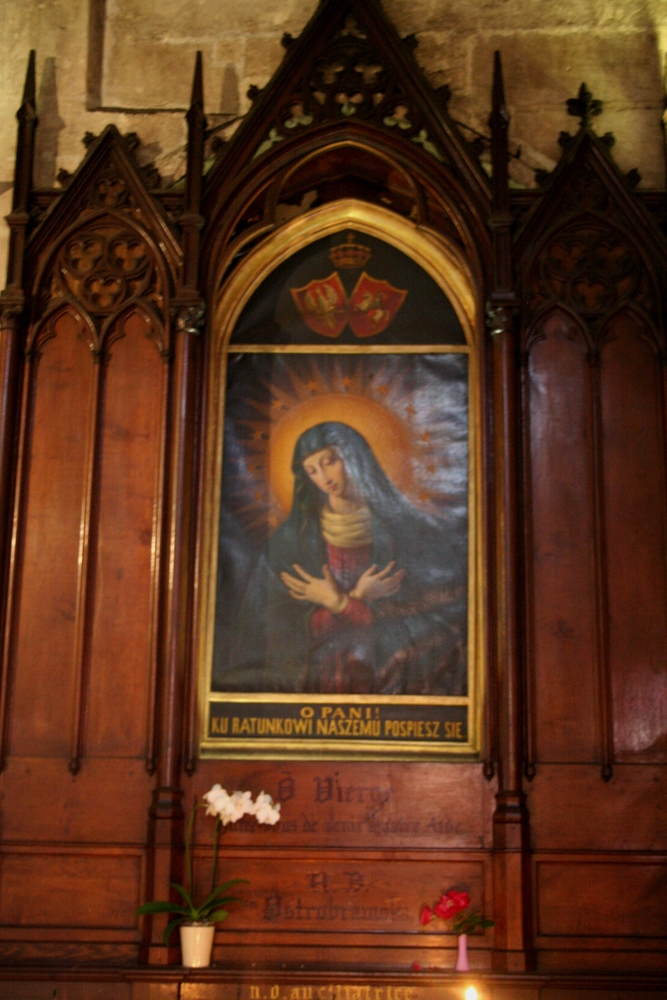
{"points": [[346, 567]]}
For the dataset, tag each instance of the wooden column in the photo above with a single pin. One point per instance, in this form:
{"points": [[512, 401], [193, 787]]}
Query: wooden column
{"points": [[510, 821], [12, 307], [167, 812]]}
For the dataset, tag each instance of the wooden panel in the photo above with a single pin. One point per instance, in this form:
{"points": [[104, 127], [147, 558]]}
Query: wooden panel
{"points": [[380, 805], [358, 894], [325, 951], [602, 899], [106, 803], [49, 990], [73, 953], [45, 645], [563, 594], [69, 890], [122, 647], [571, 808], [634, 484], [229, 984], [601, 957], [600, 993]]}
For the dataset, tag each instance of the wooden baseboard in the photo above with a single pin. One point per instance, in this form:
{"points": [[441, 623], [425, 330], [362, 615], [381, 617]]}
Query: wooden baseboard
{"points": [[175, 983]]}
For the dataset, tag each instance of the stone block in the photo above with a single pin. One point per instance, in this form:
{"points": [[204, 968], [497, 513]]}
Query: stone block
{"points": [[519, 15], [149, 49], [543, 70], [173, 19], [445, 58], [154, 75], [264, 54]]}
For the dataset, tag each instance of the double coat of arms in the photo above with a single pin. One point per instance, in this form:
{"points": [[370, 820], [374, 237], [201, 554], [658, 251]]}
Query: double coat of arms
{"points": [[326, 308]]}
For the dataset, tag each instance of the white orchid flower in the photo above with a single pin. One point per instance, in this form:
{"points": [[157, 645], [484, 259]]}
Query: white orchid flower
{"points": [[231, 808], [215, 798], [241, 804], [265, 809]]}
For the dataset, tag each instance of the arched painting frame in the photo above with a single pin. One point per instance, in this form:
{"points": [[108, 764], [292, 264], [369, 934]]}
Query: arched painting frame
{"points": [[314, 709]]}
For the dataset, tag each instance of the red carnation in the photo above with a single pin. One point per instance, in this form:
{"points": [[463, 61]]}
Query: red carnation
{"points": [[459, 899], [445, 908], [453, 905]]}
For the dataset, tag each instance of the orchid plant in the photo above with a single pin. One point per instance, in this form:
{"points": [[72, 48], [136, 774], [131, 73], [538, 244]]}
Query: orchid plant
{"points": [[453, 905], [227, 809]]}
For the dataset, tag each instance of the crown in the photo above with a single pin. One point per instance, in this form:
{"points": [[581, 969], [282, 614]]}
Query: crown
{"points": [[350, 254]]}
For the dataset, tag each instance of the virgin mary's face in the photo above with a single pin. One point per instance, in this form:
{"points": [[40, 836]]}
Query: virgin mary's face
{"points": [[327, 471]]}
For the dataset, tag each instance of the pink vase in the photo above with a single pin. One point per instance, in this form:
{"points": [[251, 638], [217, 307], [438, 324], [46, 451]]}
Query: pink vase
{"points": [[462, 964]]}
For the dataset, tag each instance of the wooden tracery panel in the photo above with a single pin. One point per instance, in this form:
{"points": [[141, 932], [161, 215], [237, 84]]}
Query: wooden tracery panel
{"points": [[124, 627], [632, 397], [81, 651], [58, 402], [561, 588], [595, 548]]}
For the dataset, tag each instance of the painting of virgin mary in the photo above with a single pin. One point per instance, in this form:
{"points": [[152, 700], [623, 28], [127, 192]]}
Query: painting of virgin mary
{"points": [[357, 591]]}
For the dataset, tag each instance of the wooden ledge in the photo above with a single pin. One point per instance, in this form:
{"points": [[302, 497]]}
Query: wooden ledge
{"points": [[176, 983]]}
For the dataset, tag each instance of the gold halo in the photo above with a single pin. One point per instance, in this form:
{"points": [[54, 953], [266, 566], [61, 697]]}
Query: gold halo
{"points": [[383, 430]]}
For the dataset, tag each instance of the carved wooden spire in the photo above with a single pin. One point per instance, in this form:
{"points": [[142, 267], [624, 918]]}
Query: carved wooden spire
{"points": [[191, 220], [501, 219], [196, 126], [25, 149], [27, 119], [499, 123]]}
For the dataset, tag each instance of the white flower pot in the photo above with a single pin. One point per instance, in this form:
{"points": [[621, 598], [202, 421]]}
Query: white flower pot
{"points": [[197, 944]]}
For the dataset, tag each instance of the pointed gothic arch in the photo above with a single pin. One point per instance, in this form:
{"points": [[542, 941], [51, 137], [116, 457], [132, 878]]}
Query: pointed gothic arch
{"points": [[447, 266]]}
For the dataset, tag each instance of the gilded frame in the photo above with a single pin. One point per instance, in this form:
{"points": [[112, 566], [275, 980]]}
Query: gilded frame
{"points": [[447, 266]]}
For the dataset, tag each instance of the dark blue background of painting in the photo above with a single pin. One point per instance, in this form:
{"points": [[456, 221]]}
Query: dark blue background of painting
{"points": [[426, 316]]}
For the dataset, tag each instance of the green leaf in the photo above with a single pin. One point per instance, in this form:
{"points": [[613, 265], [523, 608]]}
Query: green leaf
{"points": [[218, 915], [222, 901], [216, 898], [186, 895], [234, 881], [171, 926], [162, 906], [218, 892]]}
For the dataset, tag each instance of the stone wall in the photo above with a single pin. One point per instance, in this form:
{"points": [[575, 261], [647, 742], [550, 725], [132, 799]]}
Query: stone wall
{"points": [[130, 62]]}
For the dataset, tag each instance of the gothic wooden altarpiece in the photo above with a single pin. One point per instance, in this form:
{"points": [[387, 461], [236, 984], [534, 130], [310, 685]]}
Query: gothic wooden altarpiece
{"points": [[485, 369]]}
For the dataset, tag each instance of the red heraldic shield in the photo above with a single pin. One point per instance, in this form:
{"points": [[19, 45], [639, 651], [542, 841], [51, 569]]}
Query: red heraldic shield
{"points": [[373, 305], [323, 305]]}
